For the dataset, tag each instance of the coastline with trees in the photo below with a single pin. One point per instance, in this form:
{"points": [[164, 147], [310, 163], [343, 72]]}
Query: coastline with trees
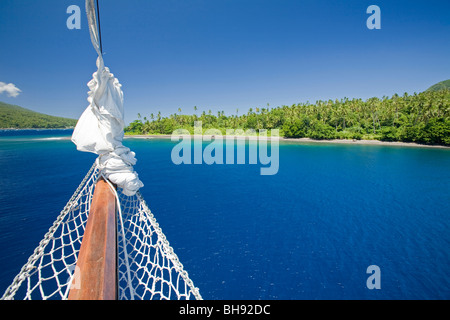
{"points": [[422, 118]]}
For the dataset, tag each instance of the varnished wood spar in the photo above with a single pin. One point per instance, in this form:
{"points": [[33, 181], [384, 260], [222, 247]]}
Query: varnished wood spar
{"points": [[95, 274]]}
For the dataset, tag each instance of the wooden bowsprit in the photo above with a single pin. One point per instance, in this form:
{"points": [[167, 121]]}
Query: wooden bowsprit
{"points": [[96, 270]]}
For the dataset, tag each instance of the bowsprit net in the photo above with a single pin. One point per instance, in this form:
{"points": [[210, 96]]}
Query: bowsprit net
{"points": [[148, 268]]}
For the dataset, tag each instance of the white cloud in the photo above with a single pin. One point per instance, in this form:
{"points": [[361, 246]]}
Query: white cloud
{"points": [[10, 89]]}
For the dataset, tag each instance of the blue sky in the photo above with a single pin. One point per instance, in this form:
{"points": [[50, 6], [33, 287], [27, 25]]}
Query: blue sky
{"points": [[222, 54]]}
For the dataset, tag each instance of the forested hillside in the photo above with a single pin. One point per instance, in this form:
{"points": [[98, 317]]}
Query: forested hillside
{"points": [[16, 117], [440, 86]]}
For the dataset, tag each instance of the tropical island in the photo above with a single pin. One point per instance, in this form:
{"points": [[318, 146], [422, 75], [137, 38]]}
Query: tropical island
{"points": [[422, 118], [15, 117]]}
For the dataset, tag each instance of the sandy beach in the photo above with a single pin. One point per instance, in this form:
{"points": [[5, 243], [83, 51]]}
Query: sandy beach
{"points": [[367, 142], [306, 141]]}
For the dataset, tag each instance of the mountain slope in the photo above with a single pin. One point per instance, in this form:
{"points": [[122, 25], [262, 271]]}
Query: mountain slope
{"points": [[16, 117], [440, 86]]}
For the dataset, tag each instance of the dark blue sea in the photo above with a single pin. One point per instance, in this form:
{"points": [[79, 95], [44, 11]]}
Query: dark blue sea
{"points": [[308, 232]]}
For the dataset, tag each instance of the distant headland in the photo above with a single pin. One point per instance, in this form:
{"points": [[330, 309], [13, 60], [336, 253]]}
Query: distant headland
{"points": [[15, 117]]}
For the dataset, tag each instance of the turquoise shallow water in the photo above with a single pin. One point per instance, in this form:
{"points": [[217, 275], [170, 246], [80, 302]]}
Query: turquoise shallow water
{"points": [[308, 232]]}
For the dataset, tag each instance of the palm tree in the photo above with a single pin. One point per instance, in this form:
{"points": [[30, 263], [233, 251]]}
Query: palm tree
{"points": [[257, 118], [375, 105]]}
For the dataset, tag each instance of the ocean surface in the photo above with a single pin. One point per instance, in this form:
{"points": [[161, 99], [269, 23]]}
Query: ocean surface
{"points": [[308, 232]]}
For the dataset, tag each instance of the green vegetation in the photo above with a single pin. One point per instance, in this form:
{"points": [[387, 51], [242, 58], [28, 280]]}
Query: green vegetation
{"points": [[422, 118], [440, 86], [20, 118]]}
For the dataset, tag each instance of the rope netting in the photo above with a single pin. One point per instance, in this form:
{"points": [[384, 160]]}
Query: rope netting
{"points": [[148, 268]]}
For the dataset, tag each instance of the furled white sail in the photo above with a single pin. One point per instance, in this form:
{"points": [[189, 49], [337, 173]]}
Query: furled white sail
{"points": [[100, 129]]}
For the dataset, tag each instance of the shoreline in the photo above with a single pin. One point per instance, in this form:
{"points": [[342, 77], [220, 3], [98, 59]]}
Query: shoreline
{"points": [[280, 139], [307, 140], [36, 129], [367, 142]]}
